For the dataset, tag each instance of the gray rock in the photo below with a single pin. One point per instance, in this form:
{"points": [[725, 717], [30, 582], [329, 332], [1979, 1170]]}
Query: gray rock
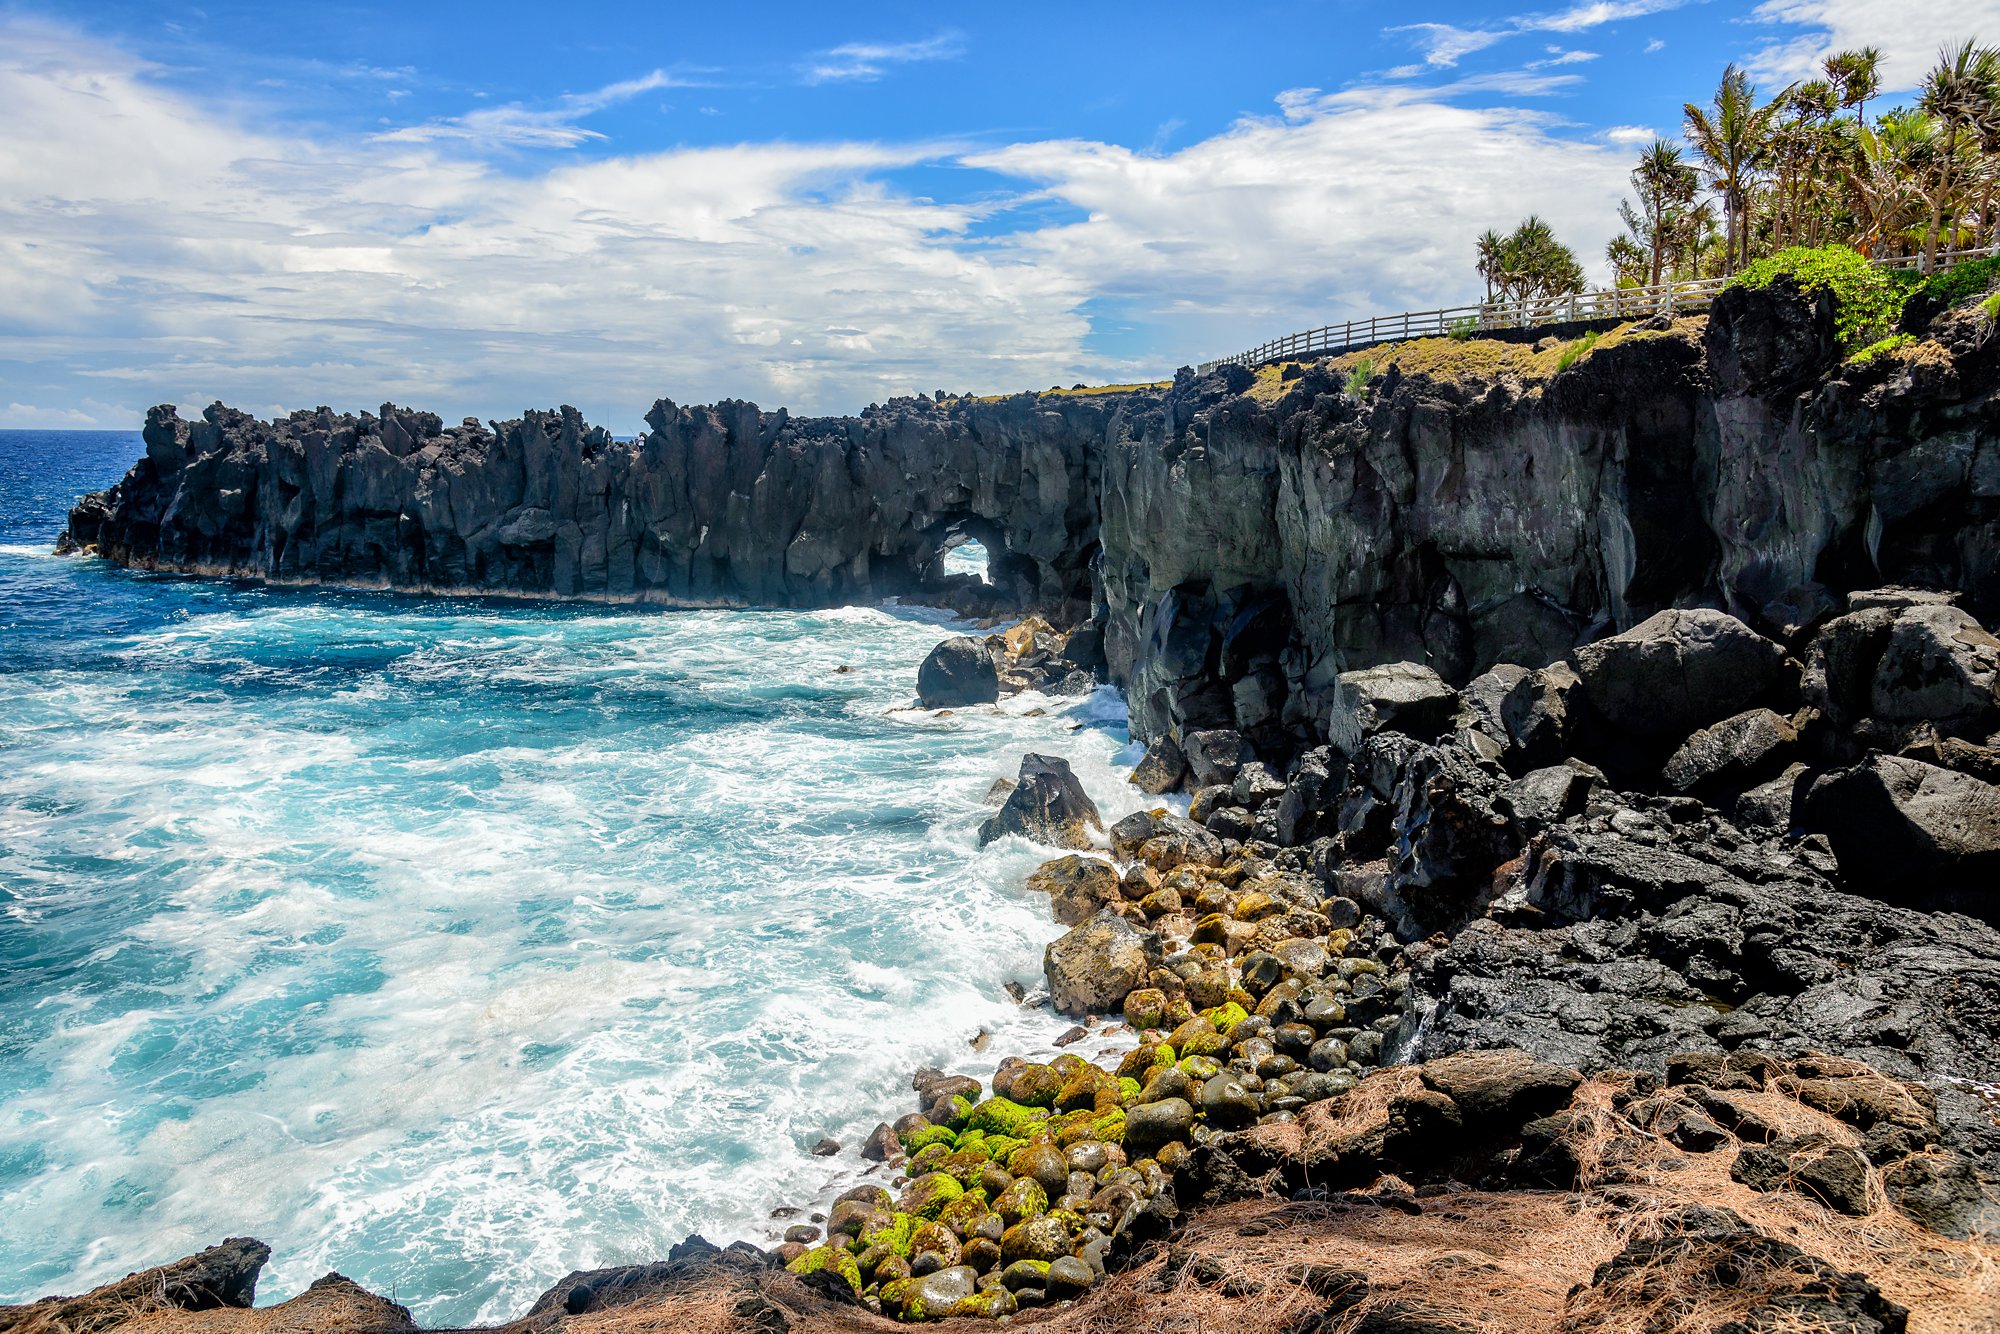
{"points": [[1677, 671], [1069, 1278], [1255, 785], [957, 673], [1078, 887], [1405, 697], [1226, 1103], [1215, 757], [1151, 1125], [1733, 753], [1939, 666], [1906, 831], [1048, 805], [1096, 965], [1162, 769]]}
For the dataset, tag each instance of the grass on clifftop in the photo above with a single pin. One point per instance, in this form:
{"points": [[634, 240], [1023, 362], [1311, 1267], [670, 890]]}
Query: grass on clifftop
{"points": [[1469, 358]]}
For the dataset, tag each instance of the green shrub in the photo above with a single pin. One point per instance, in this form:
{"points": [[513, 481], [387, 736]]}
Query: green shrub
{"points": [[1864, 301], [1991, 305], [1358, 378], [1461, 331], [1883, 347], [1958, 282], [1576, 351]]}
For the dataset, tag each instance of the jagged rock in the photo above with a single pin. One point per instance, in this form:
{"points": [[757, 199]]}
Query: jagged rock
{"points": [[221, 1276], [1833, 1174], [1180, 842], [1162, 768], [1097, 964], [1677, 671], [1048, 805], [1215, 757], [1546, 716], [957, 673], [1734, 752], [1077, 886], [1305, 811], [1544, 797], [1907, 831], [1255, 785], [1406, 697]]}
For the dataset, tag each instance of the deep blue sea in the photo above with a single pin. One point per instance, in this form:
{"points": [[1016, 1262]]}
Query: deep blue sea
{"points": [[457, 945]]}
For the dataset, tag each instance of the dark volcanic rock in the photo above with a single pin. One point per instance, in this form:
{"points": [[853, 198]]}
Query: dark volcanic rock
{"points": [[956, 673], [1677, 671], [1048, 805], [1912, 832]]}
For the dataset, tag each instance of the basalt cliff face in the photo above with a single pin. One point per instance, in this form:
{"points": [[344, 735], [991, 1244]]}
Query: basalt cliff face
{"points": [[1241, 539]]}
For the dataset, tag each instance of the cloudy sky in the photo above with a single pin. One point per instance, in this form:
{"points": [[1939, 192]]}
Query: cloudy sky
{"points": [[481, 207]]}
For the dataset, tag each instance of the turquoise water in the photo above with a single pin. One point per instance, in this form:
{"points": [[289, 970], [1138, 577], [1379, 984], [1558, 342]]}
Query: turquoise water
{"points": [[456, 945]]}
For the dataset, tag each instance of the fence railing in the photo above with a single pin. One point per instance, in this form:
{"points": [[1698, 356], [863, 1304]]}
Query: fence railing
{"points": [[1617, 303]]}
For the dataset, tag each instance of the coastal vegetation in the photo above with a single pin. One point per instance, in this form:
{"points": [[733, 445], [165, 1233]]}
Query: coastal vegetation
{"points": [[1805, 169]]}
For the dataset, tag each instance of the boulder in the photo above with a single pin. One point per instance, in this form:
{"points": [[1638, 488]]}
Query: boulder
{"points": [[1902, 828], [1676, 672], [1097, 964], [1833, 1174], [1545, 715], [1498, 1090], [1938, 666], [957, 673], [1153, 1124], [1404, 697], [1077, 886], [1048, 805], [1734, 753], [1216, 756], [1162, 769]]}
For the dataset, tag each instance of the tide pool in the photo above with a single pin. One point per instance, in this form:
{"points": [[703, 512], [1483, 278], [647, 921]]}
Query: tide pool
{"points": [[456, 945]]}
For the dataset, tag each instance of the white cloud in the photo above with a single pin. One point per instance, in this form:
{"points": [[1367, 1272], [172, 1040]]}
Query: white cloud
{"points": [[1631, 134], [518, 126], [1909, 35], [868, 61], [1444, 45], [1655, 45], [155, 248]]}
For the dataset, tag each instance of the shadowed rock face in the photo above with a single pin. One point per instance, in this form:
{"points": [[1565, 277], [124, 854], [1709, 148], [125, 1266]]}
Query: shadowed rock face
{"points": [[716, 505], [1238, 549]]}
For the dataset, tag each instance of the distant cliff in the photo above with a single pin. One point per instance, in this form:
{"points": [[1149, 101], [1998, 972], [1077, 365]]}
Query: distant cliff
{"points": [[1241, 538]]}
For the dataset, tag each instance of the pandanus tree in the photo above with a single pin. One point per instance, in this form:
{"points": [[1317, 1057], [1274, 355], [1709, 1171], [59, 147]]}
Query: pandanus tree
{"points": [[1530, 264], [1961, 93], [1666, 187], [1732, 136]]}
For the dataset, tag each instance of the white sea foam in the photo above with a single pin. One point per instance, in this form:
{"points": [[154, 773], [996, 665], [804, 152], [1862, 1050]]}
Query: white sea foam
{"points": [[460, 950]]}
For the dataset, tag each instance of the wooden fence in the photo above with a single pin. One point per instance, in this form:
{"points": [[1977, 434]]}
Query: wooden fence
{"points": [[1617, 303]]}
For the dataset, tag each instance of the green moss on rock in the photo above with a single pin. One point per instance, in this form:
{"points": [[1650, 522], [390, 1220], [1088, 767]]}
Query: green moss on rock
{"points": [[829, 1257], [1004, 1116], [1225, 1017]]}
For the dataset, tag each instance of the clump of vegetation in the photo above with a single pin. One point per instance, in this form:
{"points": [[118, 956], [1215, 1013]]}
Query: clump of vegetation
{"points": [[1864, 301], [1991, 306], [1958, 282], [1576, 351], [1461, 331], [1529, 265], [1882, 347], [1358, 378]]}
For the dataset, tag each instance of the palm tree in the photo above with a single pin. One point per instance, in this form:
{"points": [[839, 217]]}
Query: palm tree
{"points": [[1731, 140], [1666, 185], [1886, 180], [1491, 249], [1856, 77], [1961, 93]]}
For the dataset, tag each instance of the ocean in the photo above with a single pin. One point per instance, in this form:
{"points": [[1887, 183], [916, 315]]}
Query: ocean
{"points": [[457, 944]]}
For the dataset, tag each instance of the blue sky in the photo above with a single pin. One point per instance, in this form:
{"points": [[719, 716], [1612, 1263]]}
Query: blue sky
{"points": [[484, 207]]}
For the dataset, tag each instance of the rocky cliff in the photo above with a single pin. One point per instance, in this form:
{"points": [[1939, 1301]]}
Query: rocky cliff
{"points": [[1242, 539]]}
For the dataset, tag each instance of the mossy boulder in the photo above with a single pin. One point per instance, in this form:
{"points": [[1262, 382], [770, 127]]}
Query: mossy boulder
{"points": [[1004, 1116], [1081, 1089], [1036, 1086], [833, 1258], [986, 1304], [1144, 1057], [1040, 1238], [1025, 1274], [1146, 1008], [1024, 1198], [892, 1233], [928, 1159], [1044, 1164], [938, 1239], [1226, 1017], [927, 1196], [918, 1140], [962, 1215], [964, 1166], [1109, 1128]]}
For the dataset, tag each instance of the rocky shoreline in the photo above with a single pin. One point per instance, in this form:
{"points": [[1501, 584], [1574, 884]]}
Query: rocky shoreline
{"points": [[1584, 912]]}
